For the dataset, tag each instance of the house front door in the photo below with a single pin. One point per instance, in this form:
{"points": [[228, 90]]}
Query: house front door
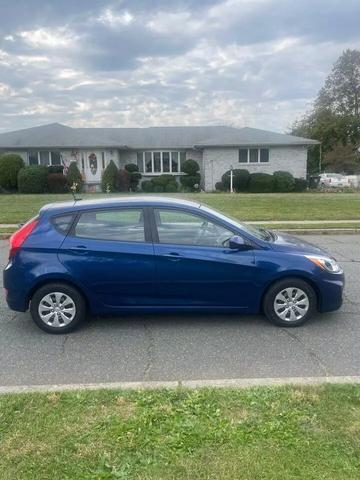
{"points": [[93, 167]]}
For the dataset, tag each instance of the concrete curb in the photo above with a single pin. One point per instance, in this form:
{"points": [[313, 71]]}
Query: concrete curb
{"points": [[191, 384]]}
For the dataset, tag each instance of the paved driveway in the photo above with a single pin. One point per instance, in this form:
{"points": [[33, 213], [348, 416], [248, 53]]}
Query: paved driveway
{"points": [[179, 347]]}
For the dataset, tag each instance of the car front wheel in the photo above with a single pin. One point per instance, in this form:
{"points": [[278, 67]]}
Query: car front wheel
{"points": [[57, 308], [290, 302]]}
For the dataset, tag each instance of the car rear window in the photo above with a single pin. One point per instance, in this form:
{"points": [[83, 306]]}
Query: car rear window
{"points": [[62, 223], [126, 225]]}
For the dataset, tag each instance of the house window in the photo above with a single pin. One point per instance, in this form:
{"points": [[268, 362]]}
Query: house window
{"points": [[33, 158], [55, 158], [264, 155], [253, 155], [103, 160], [44, 157], [160, 162]]}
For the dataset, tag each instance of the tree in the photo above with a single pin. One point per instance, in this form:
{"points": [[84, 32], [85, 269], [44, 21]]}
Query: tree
{"points": [[341, 92], [10, 165], [335, 117], [74, 177], [109, 178]]}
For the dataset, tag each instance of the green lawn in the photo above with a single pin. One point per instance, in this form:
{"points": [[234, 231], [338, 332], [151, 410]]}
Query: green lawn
{"points": [[282, 433], [262, 207]]}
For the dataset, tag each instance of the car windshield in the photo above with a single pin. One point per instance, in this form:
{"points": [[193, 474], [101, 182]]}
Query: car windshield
{"points": [[260, 233]]}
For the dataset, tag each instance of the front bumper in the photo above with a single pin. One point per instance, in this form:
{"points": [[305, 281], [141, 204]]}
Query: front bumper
{"points": [[331, 289]]}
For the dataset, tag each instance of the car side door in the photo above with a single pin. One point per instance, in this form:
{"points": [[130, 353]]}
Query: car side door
{"points": [[195, 266], [110, 253]]}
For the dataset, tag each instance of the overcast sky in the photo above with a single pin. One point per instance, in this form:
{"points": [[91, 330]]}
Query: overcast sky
{"points": [[139, 63]]}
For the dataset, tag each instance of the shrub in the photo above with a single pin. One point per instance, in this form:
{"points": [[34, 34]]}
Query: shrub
{"points": [[135, 176], [190, 167], [162, 183], [123, 181], [191, 180], [147, 186], [74, 176], [241, 179], [33, 179], [220, 187], [56, 169], [10, 165], [109, 178], [300, 185], [261, 183], [283, 181], [57, 183]]}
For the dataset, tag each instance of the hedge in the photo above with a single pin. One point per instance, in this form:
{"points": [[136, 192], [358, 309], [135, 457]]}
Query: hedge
{"points": [[283, 181], [10, 165], [241, 179], [261, 183], [300, 185], [162, 183], [33, 179], [57, 183]]}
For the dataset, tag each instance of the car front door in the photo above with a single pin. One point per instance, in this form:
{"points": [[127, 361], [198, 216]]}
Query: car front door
{"points": [[110, 253], [195, 266]]}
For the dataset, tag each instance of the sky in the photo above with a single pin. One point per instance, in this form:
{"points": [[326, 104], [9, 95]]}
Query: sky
{"points": [[138, 63]]}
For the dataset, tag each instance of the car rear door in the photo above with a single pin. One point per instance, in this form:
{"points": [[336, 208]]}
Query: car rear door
{"points": [[193, 267], [110, 253]]}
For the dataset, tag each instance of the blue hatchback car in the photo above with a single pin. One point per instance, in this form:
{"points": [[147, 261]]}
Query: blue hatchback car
{"points": [[149, 254]]}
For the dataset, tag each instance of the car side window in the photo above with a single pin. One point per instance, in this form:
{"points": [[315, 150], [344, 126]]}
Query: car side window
{"points": [[184, 228], [126, 225], [62, 223]]}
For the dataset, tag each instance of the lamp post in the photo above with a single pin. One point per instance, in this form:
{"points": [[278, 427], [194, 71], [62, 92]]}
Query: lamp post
{"points": [[231, 179]]}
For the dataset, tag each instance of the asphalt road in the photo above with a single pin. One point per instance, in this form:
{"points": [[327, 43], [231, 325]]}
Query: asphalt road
{"points": [[186, 347]]}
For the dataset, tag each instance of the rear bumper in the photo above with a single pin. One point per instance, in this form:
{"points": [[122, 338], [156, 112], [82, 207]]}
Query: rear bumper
{"points": [[16, 297]]}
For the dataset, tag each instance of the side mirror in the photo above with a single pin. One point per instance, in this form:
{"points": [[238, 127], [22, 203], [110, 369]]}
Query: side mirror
{"points": [[238, 243]]}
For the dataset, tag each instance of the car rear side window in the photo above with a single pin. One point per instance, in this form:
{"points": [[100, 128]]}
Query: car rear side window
{"points": [[62, 223], [126, 225]]}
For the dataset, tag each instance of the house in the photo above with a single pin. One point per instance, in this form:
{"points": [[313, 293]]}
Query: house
{"points": [[158, 150]]}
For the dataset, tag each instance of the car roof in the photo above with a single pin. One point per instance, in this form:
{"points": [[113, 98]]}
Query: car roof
{"points": [[123, 201]]}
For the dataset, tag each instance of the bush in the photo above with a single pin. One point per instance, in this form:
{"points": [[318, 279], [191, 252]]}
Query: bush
{"points": [[123, 181], [135, 176], [261, 183], [190, 167], [33, 179], [56, 169], [300, 185], [241, 179], [220, 187], [162, 183], [283, 181], [57, 183], [10, 165], [109, 178], [190, 181], [74, 176], [147, 186]]}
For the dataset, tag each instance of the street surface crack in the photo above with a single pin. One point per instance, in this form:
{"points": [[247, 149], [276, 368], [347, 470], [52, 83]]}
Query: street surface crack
{"points": [[309, 351], [63, 344], [149, 351]]}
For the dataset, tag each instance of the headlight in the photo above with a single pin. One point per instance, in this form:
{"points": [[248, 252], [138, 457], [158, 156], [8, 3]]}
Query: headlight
{"points": [[326, 263]]}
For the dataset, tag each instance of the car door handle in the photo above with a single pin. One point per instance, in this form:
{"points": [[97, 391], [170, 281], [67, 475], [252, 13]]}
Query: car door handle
{"points": [[78, 249], [173, 256]]}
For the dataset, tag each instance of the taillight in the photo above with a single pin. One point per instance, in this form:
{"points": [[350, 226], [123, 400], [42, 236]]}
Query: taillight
{"points": [[19, 237]]}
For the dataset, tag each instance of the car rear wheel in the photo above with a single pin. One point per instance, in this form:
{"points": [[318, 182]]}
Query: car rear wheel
{"points": [[57, 308], [290, 302]]}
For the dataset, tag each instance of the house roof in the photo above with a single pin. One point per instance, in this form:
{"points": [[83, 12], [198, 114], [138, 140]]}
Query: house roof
{"points": [[56, 135]]}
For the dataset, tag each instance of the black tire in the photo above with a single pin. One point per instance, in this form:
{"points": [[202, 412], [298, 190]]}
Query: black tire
{"points": [[72, 293], [278, 288]]}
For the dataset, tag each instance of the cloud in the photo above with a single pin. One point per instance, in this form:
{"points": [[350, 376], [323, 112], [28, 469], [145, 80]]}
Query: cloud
{"points": [[137, 63]]}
